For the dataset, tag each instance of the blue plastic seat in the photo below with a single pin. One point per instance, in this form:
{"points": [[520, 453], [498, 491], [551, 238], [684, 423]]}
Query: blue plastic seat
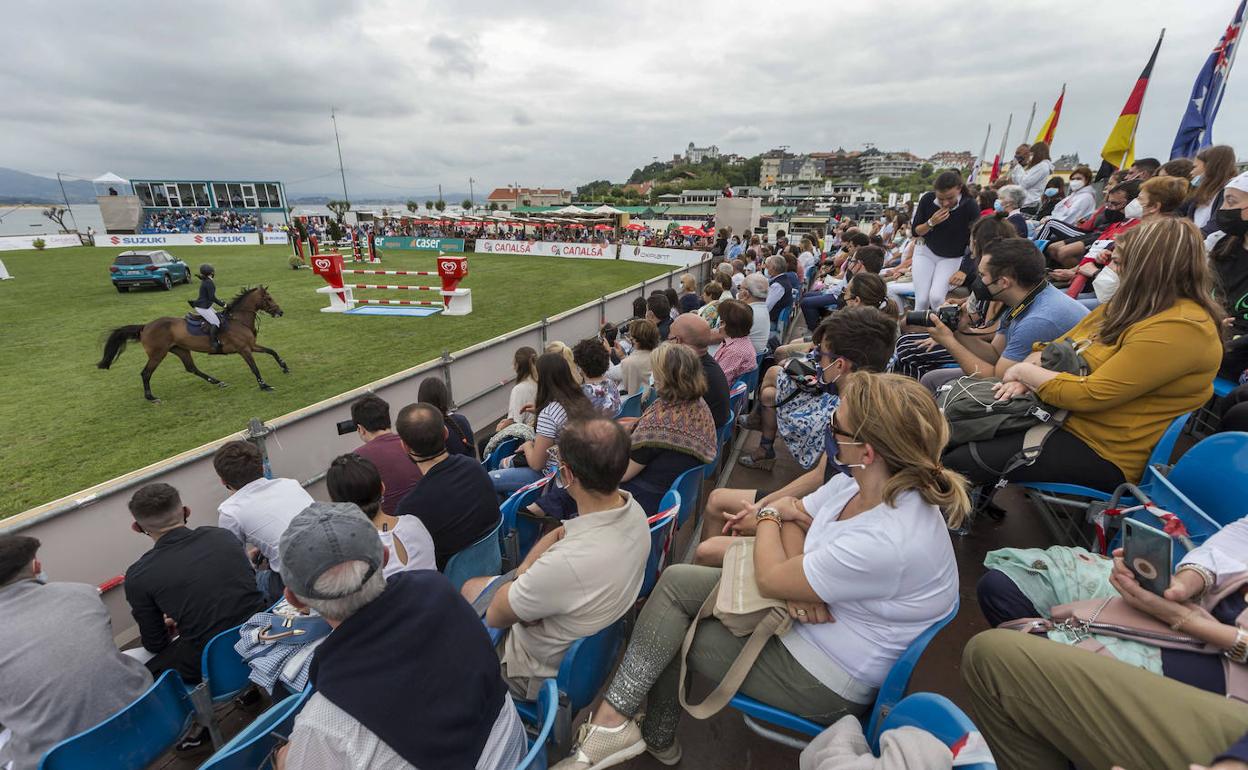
{"points": [[630, 406], [688, 485], [1213, 474], [505, 448], [582, 674], [1223, 386], [547, 711], [939, 716], [891, 692], [224, 671], [252, 746], [511, 537], [662, 527], [483, 557], [136, 736]]}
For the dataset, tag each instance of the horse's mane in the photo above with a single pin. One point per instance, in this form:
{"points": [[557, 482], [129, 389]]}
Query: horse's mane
{"points": [[240, 297]]}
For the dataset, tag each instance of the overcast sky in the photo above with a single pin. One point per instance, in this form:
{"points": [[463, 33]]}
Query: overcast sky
{"points": [[558, 94]]}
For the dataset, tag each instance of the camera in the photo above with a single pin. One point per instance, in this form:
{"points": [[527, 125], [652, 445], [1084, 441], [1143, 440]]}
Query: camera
{"points": [[345, 427], [948, 315]]}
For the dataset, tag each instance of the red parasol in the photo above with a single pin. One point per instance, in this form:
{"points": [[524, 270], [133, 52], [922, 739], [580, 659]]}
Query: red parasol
{"points": [[603, 227], [689, 230], [634, 227]]}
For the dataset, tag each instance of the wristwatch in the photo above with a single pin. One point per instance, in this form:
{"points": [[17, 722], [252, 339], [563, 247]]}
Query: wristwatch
{"points": [[769, 513], [1239, 651]]}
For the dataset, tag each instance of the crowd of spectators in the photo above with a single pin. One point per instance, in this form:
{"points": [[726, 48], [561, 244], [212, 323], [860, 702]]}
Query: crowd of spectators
{"points": [[1142, 281], [199, 221]]}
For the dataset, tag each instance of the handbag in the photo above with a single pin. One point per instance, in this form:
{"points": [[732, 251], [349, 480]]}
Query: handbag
{"points": [[1114, 617], [736, 603]]}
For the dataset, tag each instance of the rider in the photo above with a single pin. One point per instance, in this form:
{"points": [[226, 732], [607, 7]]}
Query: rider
{"points": [[203, 305]]}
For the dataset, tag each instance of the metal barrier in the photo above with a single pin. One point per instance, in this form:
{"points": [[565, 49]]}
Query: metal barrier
{"points": [[86, 536]]}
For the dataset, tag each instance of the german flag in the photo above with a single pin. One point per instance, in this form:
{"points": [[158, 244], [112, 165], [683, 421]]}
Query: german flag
{"points": [[1119, 149], [1050, 124]]}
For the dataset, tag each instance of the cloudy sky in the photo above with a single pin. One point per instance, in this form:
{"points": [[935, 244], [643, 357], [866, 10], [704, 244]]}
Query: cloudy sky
{"points": [[545, 93]]}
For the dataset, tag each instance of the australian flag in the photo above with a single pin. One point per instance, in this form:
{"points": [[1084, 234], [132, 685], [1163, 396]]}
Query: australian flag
{"points": [[1196, 129]]}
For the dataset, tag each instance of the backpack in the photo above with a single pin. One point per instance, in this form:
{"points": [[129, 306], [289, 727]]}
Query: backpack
{"points": [[974, 414]]}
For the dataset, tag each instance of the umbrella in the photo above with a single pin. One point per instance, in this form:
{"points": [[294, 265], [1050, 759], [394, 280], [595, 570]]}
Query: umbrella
{"points": [[634, 227], [689, 230], [603, 227]]}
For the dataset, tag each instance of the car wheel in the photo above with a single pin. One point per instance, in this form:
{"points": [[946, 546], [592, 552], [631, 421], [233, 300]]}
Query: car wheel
{"points": [[168, 284], [121, 289]]}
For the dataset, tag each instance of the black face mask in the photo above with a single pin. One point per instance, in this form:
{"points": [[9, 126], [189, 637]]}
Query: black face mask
{"points": [[981, 290], [1113, 215], [1231, 222]]}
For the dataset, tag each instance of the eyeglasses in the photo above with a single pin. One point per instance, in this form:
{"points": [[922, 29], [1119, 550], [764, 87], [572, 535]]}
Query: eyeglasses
{"points": [[849, 297], [836, 430]]}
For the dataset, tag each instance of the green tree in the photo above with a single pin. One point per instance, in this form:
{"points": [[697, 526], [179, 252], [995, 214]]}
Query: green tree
{"points": [[428, 205], [466, 204], [440, 205], [57, 215], [413, 206], [493, 206], [339, 209]]}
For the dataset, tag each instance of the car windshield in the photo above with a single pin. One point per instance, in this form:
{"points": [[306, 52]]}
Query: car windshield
{"points": [[134, 259]]}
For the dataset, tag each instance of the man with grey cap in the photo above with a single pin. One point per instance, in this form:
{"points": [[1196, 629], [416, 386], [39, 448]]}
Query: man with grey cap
{"points": [[407, 677], [753, 292]]}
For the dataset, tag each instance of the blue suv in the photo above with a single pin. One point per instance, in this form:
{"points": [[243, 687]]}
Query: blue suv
{"points": [[148, 268]]}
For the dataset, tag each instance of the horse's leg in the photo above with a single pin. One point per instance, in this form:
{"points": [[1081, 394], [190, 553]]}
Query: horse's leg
{"points": [[189, 362], [251, 364], [276, 357], [154, 357]]}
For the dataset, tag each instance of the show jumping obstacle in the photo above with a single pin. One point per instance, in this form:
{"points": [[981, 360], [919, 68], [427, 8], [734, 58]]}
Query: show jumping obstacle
{"points": [[451, 270]]}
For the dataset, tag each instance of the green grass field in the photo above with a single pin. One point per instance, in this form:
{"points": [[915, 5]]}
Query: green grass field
{"points": [[66, 425]]}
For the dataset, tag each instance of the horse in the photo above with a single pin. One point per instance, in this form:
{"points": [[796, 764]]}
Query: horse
{"points": [[170, 335]]}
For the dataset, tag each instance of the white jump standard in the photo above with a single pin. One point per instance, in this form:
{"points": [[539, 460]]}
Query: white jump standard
{"points": [[451, 270]]}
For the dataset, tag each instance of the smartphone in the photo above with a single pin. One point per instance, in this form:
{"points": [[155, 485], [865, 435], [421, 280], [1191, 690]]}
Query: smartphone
{"points": [[1148, 553]]}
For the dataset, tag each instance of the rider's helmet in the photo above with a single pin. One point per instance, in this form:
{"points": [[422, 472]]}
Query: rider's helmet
{"points": [[206, 270]]}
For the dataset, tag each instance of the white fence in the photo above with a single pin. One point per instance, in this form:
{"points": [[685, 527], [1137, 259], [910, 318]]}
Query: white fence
{"points": [[87, 538]]}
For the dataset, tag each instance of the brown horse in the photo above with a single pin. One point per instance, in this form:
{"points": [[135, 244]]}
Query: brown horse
{"points": [[170, 335]]}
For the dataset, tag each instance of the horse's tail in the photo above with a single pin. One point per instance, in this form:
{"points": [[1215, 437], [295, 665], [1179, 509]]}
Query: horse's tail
{"points": [[117, 342]]}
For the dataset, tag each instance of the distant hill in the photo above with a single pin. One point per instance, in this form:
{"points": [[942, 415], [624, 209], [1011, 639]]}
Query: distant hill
{"points": [[20, 187]]}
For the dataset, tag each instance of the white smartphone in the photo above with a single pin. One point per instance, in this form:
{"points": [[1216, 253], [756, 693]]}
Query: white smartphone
{"points": [[1148, 553]]}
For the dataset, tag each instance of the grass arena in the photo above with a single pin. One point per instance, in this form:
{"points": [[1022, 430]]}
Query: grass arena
{"points": [[68, 425]]}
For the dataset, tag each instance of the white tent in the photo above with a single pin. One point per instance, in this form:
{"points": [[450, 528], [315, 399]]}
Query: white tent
{"points": [[570, 210], [110, 178], [111, 184], [605, 209]]}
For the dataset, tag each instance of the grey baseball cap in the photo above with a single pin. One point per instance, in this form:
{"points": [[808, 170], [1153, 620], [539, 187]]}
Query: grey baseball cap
{"points": [[322, 536]]}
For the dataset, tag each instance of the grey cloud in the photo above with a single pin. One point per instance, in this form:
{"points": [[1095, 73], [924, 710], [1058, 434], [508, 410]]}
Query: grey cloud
{"points": [[456, 55]]}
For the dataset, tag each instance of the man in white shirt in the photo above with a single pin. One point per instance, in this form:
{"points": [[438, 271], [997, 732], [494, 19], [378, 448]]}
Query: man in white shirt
{"points": [[753, 292], [258, 510], [583, 576]]}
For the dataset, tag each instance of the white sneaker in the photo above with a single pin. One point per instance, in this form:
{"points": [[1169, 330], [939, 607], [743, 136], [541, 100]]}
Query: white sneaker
{"points": [[669, 756], [599, 747]]}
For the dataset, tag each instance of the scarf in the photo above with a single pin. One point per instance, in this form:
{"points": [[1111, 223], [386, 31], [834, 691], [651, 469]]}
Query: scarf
{"points": [[682, 426], [416, 667]]}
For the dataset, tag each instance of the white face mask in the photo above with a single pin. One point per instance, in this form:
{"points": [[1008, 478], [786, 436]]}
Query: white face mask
{"points": [[1105, 284], [1076, 185], [1134, 209], [41, 578]]}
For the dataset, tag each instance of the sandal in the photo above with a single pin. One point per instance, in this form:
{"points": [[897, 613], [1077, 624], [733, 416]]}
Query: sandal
{"points": [[765, 462]]}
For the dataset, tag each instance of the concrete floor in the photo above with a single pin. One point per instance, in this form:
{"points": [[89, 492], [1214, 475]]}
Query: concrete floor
{"points": [[724, 741]]}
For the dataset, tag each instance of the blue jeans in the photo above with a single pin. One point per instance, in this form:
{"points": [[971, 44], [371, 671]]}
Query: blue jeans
{"points": [[812, 305], [508, 480]]}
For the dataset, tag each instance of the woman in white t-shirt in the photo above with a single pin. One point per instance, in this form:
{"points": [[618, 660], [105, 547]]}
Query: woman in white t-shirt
{"points": [[869, 550], [354, 479], [524, 392]]}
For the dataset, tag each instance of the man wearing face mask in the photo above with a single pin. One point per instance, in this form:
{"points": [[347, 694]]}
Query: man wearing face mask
{"points": [[62, 673], [1230, 261], [1011, 272], [1103, 224]]}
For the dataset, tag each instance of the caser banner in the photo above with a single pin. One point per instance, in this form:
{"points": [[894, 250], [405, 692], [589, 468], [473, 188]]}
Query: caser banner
{"points": [[401, 243], [655, 255], [177, 239], [19, 242], [547, 249]]}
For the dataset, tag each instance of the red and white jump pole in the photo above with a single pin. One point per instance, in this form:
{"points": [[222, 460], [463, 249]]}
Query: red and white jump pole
{"points": [[451, 270]]}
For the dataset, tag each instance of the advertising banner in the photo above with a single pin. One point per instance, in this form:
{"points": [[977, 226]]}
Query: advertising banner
{"points": [[547, 249], [657, 256], [18, 242], [157, 240], [403, 243], [273, 237]]}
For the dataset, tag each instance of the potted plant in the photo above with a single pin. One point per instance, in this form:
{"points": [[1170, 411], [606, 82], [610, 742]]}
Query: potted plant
{"points": [[39, 243]]}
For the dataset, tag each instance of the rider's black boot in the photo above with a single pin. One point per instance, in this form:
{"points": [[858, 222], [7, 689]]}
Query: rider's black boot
{"points": [[214, 338]]}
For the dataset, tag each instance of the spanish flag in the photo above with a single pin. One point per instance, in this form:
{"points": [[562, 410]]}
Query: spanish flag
{"points": [[1050, 124], [1119, 149]]}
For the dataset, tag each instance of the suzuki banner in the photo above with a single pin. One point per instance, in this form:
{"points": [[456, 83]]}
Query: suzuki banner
{"points": [[547, 249], [655, 255], [402, 243], [178, 239], [275, 237]]}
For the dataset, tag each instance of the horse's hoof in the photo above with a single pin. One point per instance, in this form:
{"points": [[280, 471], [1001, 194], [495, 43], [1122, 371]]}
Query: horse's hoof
{"points": [[220, 384], [266, 387], [285, 370], [153, 400]]}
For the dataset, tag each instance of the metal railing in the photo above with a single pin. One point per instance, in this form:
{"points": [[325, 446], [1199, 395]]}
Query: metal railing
{"points": [[86, 537]]}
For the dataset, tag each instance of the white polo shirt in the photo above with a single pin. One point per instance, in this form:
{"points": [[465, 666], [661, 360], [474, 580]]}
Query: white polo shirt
{"points": [[259, 513]]}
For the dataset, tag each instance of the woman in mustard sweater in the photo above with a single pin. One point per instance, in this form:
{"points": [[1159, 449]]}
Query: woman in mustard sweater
{"points": [[1153, 350]]}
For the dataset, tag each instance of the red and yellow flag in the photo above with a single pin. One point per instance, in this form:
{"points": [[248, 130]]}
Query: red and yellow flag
{"points": [[1050, 124], [1119, 149]]}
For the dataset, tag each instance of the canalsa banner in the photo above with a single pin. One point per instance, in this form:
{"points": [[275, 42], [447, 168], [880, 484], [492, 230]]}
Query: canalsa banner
{"points": [[547, 249], [400, 243], [657, 256], [178, 239]]}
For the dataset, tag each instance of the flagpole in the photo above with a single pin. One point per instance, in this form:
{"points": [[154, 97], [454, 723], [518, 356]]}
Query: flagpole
{"points": [[1030, 120], [979, 162], [1006, 136], [1138, 113]]}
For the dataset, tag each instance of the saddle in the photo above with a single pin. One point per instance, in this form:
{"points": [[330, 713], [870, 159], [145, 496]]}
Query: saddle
{"points": [[198, 327]]}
